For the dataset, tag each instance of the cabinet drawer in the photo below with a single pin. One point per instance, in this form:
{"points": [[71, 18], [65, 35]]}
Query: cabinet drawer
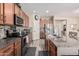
{"points": [[6, 48], [10, 52]]}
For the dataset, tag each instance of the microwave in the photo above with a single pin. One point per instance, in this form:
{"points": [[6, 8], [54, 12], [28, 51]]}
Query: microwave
{"points": [[18, 21]]}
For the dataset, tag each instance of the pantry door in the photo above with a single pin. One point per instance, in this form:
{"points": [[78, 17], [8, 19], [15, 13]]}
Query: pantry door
{"points": [[36, 28]]}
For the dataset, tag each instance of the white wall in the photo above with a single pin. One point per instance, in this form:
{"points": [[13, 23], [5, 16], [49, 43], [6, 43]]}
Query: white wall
{"points": [[35, 27]]}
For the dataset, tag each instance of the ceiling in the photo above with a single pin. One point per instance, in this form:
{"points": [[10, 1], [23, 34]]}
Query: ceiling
{"points": [[56, 9]]}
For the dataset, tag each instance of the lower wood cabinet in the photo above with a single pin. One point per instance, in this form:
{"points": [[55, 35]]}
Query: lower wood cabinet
{"points": [[18, 48], [46, 45], [51, 48], [7, 51], [13, 49]]}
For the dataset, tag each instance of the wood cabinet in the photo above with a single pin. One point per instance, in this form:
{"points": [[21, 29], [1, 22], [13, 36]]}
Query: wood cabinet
{"points": [[43, 23], [7, 51], [1, 13], [27, 21], [46, 44], [51, 48], [17, 10], [24, 20], [18, 47], [10, 51], [13, 49], [8, 13], [21, 13]]}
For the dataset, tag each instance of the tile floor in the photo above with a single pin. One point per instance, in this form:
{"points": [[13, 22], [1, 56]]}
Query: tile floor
{"points": [[39, 44]]}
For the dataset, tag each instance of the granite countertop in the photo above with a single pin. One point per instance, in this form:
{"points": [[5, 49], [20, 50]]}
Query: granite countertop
{"points": [[61, 43], [7, 41], [69, 47]]}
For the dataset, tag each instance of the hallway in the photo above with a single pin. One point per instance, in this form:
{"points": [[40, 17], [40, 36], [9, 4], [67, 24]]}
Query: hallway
{"points": [[36, 48]]}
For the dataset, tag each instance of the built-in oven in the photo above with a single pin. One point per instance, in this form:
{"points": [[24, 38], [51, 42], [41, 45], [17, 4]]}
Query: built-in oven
{"points": [[18, 21]]}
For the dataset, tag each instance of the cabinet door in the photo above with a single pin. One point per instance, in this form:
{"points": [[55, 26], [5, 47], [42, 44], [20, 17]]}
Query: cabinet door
{"points": [[46, 44], [18, 50], [8, 13], [21, 15], [24, 19], [17, 10], [18, 47], [1, 54], [49, 50], [9, 53], [27, 21], [52, 51], [1, 13]]}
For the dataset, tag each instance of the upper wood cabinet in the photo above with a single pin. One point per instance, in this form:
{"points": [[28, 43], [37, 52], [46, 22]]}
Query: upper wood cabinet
{"points": [[17, 10], [27, 21], [8, 13], [43, 22], [1, 13], [23, 17]]}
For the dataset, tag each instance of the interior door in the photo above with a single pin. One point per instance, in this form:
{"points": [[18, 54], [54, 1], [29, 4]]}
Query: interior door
{"points": [[36, 29]]}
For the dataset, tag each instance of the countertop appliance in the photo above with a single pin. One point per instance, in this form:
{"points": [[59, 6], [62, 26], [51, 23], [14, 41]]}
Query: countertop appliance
{"points": [[10, 33], [18, 21]]}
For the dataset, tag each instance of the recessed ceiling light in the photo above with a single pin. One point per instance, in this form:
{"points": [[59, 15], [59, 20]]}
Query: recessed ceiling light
{"points": [[47, 11], [34, 11]]}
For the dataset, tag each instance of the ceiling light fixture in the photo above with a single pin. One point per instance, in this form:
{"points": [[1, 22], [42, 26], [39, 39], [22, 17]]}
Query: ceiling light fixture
{"points": [[47, 11], [34, 11]]}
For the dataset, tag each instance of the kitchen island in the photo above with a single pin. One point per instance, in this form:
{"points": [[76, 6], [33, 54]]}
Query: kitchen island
{"points": [[61, 48]]}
